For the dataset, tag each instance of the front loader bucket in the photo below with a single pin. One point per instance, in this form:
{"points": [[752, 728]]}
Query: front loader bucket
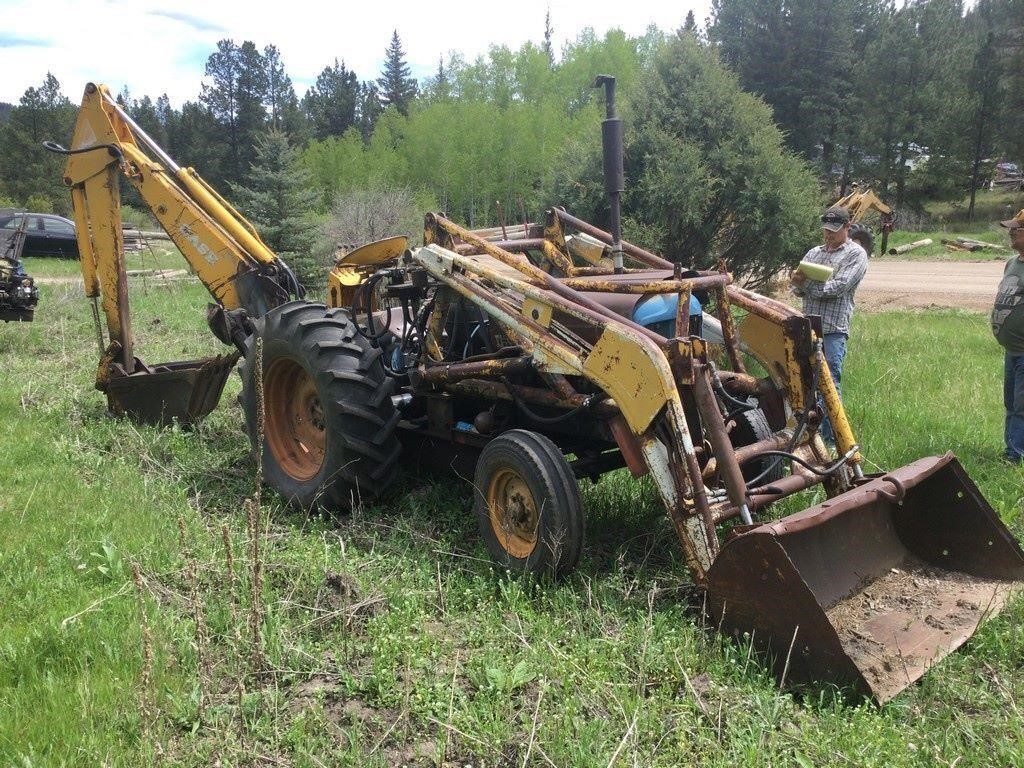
{"points": [[184, 390], [874, 586]]}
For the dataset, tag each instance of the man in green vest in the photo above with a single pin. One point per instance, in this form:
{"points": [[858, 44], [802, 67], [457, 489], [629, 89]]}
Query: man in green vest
{"points": [[1008, 327]]}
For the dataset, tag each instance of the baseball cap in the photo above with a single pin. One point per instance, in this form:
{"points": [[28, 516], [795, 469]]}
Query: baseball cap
{"points": [[835, 218], [1016, 221]]}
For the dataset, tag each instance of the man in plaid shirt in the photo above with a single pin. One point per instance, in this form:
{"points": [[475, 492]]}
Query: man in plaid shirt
{"points": [[832, 299]]}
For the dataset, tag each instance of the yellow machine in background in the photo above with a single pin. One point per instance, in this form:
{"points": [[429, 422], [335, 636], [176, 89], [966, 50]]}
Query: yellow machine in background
{"points": [[243, 275], [860, 202]]}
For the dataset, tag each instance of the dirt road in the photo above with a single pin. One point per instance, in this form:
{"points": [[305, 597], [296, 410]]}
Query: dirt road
{"points": [[929, 284]]}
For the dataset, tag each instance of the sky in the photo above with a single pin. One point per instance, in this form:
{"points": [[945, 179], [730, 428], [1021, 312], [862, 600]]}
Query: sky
{"points": [[160, 47]]}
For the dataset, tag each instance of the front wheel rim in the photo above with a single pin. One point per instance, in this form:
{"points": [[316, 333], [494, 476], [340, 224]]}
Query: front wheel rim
{"points": [[513, 513]]}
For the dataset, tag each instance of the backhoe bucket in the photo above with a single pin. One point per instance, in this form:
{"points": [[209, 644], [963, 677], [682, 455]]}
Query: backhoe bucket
{"points": [[184, 391], [874, 586]]}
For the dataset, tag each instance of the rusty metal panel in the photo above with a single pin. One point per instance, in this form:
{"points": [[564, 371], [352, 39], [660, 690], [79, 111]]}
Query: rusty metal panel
{"points": [[625, 370], [537, 311], [767, 341]]}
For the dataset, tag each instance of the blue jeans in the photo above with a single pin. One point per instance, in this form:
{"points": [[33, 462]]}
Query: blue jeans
{"points": [[835, 351], [1013, 399]]}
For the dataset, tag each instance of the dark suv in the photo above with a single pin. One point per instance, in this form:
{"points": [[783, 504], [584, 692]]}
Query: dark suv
{"points": [[45, 234]]}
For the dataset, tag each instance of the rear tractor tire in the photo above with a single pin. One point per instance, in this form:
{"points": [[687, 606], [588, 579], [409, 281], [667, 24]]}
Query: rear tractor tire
{"points": [[329, 424], [528, 505]]}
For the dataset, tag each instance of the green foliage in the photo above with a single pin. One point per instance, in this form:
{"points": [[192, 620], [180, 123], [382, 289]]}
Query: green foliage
{"points": [[710, 174], [26, 169], [331, 104], [865, 88], [279, 199], [798, 56], [39, 204]]}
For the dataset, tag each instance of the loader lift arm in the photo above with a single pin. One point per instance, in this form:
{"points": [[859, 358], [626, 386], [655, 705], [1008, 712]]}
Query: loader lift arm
{"points": [[244, 277]]}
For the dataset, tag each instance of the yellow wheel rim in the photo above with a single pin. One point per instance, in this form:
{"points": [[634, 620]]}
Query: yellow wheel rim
{"points": [[513, 513]]}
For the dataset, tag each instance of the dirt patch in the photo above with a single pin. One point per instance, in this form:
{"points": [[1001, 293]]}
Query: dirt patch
{"points": [[910, 617]]}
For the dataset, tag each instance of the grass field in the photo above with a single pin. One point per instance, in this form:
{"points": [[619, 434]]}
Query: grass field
{"points": [[385, 636], [947, 220], [159, 255]]}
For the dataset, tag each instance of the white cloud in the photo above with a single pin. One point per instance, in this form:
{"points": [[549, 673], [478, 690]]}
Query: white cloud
{"points": [[152, 50]]}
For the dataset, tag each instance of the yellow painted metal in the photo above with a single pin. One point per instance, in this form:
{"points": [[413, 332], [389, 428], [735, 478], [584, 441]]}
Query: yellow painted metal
{"points": [[631, 368], [588, 248], [352, 268], [376, 252], [537, 311], [86, 254], [836, 413], [556, 258], [341, 281], [767, 342], [638, 379], [859, 202], [107, 238], [214, 238]]}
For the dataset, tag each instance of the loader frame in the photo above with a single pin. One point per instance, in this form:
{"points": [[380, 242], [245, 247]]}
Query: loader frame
{"points": [[651, 397], [579, 377]]}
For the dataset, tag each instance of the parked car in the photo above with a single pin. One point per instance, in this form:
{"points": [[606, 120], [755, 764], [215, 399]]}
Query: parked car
{"points": [[45, 234]]}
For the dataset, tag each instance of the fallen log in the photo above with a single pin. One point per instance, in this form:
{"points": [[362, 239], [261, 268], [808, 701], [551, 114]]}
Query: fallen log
{"points": [[953, 245], [910, 246], [968, 242]]}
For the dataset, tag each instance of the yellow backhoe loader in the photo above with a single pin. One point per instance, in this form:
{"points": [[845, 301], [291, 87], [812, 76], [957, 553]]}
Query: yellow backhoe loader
{"points": [[535, 357], [860, 202]]}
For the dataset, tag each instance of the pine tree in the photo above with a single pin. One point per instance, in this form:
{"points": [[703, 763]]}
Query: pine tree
{"points": [[26, 169], [278, 197], [690, 25], [396, 85], [711, 177], [549, 32], [438, 87], [198, 140], [983, 80], [235, 98], [369, 109], [332, 102], [280, 92]]}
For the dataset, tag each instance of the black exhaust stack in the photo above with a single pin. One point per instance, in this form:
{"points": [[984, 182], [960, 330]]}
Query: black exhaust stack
{"points": [[614, 175]]}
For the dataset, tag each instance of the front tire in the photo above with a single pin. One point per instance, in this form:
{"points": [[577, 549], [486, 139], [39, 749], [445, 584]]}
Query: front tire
{"points": [[329, 434], [528, 505]]}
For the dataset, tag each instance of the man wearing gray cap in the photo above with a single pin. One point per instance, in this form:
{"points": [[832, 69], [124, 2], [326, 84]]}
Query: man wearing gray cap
{"points": [[832, 299], [1008, 327]]}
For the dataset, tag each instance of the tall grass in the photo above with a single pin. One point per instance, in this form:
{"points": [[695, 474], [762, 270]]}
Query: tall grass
{"points": [[388, 638]]}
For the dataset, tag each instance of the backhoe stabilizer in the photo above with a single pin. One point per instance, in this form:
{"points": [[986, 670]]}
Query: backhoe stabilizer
{"points": [[874, 586]]}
